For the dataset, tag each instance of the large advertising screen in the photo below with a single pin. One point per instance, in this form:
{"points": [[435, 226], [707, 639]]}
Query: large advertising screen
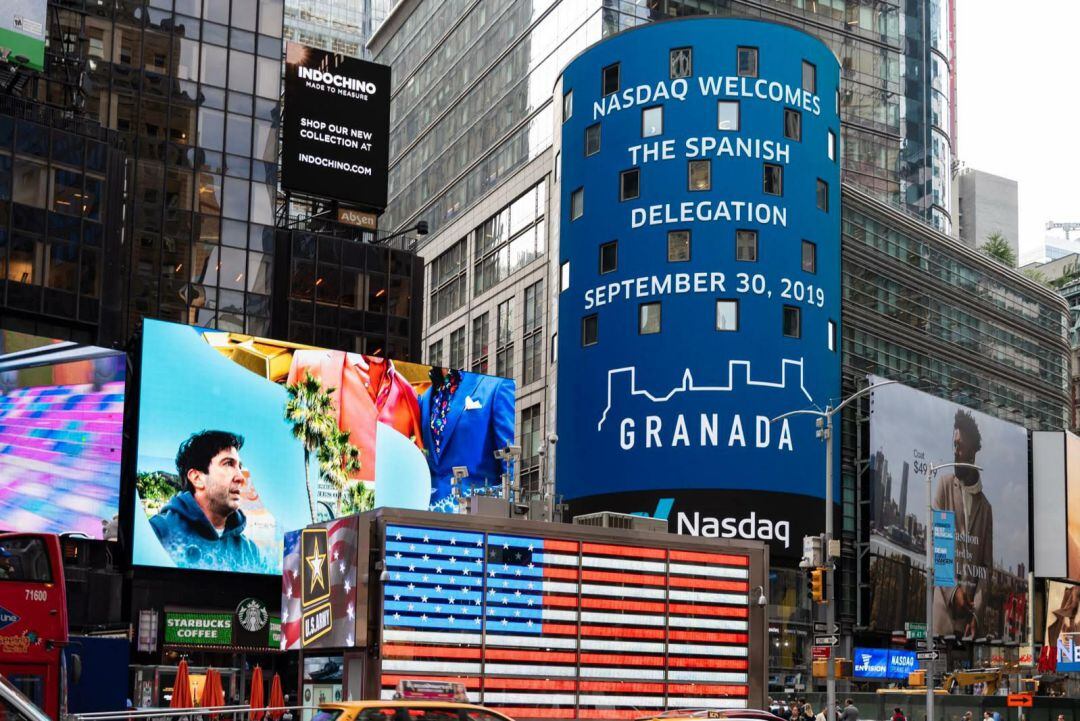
{"points": [[1061, 650], [242, 439], [910, 431], [61, 432], [22, 32], [884, 663], [541, 627], [336, 131]]}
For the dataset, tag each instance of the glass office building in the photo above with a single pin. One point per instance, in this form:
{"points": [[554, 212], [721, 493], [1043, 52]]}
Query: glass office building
{"points": [[339, 26]]}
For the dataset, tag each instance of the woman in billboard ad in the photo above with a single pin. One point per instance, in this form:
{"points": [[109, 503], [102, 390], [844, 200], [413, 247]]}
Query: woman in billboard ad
{"points": [[242, 439]]}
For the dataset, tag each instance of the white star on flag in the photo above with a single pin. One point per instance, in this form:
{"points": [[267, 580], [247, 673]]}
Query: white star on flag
{"points": [[284, 615], [350, 612], [451, 619], [453, 541], [398, 537], [348, 586]]}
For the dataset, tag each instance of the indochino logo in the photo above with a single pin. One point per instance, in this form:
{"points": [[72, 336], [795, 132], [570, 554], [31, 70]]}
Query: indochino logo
{"points": [[318, 617]]}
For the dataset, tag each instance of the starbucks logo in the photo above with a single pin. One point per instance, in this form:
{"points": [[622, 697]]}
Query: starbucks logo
{"points": [[252, 614]]}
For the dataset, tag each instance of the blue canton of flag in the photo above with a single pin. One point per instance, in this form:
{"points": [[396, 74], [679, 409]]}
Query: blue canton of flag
{"points": [[436, 579], [515, 585]]}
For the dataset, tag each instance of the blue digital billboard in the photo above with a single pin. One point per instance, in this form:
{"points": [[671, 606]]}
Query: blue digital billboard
{"points": [[699, 277], [884, 663]]}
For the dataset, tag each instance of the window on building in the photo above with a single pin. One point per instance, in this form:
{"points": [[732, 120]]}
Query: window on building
{"points": [[700, 175], [822, 195], [609, 257], [457, 348], [435, 354], [678, 246], [504, 339], [629, 184], [832, 335], [592, 139], [727, 115], [564, 275], [746, 245], [510, 239], [649, 318], [809, 77], [533, 361], [577, 203], [832, 145], [774, 179], [449, 289], [727, 314], [610, 79], [792, 124], [652, 121], [681, 61], [567, 105], [809, 256], [748, 62], [480, 330], [590, 330], [532, 424], [792, 321]]}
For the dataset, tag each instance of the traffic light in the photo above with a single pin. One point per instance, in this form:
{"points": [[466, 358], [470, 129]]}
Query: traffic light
{"points": [[817, 585]]}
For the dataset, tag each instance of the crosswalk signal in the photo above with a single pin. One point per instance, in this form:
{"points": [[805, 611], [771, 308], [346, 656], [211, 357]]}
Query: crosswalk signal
{"points": [[817, 585]]}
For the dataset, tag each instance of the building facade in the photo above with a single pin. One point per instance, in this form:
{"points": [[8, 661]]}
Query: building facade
{"points": [[339, 26], [988, 204]]}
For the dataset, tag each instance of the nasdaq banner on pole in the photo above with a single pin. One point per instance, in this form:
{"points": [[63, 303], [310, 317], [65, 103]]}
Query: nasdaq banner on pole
{"points": [[336, 131], [944, 549], [699, 303], [884, 663]]}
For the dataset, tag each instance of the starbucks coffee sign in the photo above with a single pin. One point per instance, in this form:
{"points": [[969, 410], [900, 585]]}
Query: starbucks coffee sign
{"points": [[210, 629], [249, 626]]}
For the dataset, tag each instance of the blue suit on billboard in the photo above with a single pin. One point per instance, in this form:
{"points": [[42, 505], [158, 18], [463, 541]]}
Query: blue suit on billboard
{"points": [[477, 420]]}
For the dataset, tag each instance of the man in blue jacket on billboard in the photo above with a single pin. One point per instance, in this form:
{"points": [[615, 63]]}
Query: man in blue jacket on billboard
{"points": [[203, 526]]}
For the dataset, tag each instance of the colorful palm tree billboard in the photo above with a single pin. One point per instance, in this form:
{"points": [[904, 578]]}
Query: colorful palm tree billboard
{"points": [[243, 438]]}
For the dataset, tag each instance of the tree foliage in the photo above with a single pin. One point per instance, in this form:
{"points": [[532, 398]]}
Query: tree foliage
{"points": [[998, 248]]}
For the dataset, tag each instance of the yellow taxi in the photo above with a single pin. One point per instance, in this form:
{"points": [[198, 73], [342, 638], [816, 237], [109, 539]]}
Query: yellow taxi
{"points": [[413, 701]]}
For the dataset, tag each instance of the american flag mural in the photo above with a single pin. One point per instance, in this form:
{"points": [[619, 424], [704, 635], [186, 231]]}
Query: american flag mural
{"points": [[553, 628]]}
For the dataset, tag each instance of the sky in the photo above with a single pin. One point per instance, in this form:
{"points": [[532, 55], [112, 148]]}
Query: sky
{"points": [[1019, 109]]}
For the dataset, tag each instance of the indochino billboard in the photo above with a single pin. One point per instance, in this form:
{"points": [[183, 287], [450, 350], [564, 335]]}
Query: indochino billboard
{"points": [[700, 277], [910, 431], [336, 130], [242, 439]]}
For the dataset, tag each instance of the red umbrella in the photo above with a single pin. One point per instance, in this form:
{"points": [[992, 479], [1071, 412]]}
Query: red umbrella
{"points": [[256, 699], [213, 695], [181, 693], [277, 699]]}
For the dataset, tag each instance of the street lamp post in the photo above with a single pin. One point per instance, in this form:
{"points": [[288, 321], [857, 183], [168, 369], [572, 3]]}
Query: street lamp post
{"points": [[825, 433], [932, 469]]}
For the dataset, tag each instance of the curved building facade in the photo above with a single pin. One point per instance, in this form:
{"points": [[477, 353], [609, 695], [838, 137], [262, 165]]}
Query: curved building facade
{"points": [[699, 207]]}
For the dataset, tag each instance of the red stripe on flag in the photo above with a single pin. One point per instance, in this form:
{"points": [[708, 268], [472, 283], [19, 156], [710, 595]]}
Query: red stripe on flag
{"points": [[615, 659], [620, 631], [535, 712], [620, 604], [721, 559], [709, 583], [569, 574], [622, 687], [559, 629], [509, 654], [553, 544], [560, 601], [691, 609], [625, 551], [395, 650], [729, 664], [391, 681], [541, 684], [611, 713], [700, 689], [709, 637], [629, 578]]}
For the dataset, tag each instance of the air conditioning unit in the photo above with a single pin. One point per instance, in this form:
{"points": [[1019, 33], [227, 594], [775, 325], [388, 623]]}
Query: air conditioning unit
{"points": [[607, 519]]}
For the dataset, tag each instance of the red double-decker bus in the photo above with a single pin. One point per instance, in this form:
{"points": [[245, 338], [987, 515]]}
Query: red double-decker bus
{"points": [[33, 618]]}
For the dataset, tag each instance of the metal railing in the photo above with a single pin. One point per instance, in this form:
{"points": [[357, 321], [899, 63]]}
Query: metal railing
{"points": [[242, 712]]}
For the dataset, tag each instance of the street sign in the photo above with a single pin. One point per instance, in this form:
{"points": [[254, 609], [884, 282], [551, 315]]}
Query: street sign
{"points": [[1020, 700], [821, 653], [927, 655], [915, 630], [822, 627], [826, 640]]}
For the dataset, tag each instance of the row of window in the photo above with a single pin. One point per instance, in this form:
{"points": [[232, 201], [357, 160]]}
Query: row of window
{"points": [[699, 177], [681, 65], [678, 250], [727, 320], [532, 340], [728, 114]]}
